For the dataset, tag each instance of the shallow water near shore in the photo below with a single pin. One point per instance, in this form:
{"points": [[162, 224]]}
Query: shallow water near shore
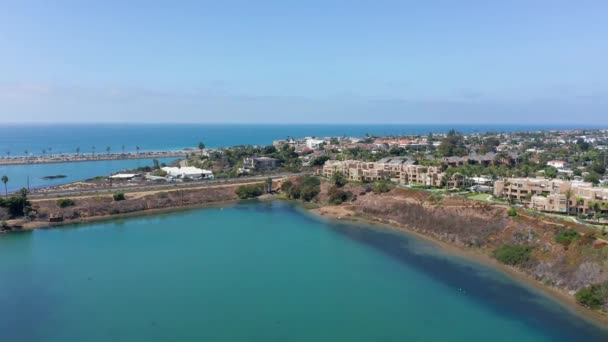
{"points": [[260, 271], [18, 174]]}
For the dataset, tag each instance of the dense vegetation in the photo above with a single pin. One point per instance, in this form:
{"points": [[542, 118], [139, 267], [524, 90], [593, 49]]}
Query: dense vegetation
{"points": [[65, 202], [338, 179], [227, 162], [17, 205], [119, 196], [306, 189], [453, 145], [513, 254], [338, 196], [594, 296], [249, 191], [566, 237], [381, 187]]}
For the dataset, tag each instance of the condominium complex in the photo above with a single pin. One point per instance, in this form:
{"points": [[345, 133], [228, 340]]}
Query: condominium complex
{"points": [[395, 169], [550, 194]]}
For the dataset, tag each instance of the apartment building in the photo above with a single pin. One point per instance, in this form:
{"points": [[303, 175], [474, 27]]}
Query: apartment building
{"points": [[551, 194], [401, 171]]}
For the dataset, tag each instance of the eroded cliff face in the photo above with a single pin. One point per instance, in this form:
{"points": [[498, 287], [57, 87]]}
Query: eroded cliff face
{"points": [[485, 227]]}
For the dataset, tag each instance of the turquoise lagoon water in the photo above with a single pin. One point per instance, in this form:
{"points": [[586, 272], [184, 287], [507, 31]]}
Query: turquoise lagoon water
{"points": [[259, 272], [18, 174]]}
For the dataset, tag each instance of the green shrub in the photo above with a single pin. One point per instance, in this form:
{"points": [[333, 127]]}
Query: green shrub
{"points": [[65, 202], [286, 186], [319, 161], [309, 188], [381, 187], [249, 191], [593, 296], [338, 196], [17, 205], [119, 196], [338, 179], [565, 237], [513, 254], [512, 212]]}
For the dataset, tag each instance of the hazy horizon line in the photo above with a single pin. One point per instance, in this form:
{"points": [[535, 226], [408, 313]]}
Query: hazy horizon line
{"points": [[298, 123]]}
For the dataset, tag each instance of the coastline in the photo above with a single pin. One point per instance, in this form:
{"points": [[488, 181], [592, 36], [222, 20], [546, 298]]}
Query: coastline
{"points": [[339, 214], [342, 214], [141, 213], [73, 158]]}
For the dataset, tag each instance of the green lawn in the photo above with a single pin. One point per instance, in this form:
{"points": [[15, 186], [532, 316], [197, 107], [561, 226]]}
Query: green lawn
{"points": [[479, 197]]}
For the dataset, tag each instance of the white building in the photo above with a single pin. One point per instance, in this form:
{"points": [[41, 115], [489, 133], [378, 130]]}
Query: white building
{"points": [[314, 143], [188, 172], [125, 176], [558, 164]]}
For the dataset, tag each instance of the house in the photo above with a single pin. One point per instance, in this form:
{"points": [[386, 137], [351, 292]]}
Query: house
{"points": [[188, 172], [313, 143], [260, 163], [558, 164]]}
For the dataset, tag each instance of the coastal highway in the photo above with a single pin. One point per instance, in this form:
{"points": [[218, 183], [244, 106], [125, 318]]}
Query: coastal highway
{"points": [[152, 186]]}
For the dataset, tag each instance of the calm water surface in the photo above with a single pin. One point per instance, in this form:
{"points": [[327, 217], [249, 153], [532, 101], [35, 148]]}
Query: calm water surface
{"points": [[259, 272], [18, 174]]}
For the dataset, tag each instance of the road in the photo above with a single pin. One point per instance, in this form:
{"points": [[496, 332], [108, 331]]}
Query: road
{"points": [[152, 186]]}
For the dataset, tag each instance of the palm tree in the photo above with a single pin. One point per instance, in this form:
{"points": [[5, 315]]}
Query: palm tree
{"points": [[108, 149], [5, 180], [568, 194], [123, 149], [25, 152], [51, 151], [137, 148], [93, 148], [201, 147], [43, 151], [8, 154]]}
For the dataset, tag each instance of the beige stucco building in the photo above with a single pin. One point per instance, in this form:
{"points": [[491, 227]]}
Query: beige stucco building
{"points": [[550, 194], [402, 173]]}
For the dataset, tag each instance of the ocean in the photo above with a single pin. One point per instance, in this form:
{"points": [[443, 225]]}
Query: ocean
{"points": [[19, 139], [260, 272], [65, 138]]}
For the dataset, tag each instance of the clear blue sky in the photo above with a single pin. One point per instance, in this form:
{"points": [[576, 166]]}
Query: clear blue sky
{"points": [[305, 61]]}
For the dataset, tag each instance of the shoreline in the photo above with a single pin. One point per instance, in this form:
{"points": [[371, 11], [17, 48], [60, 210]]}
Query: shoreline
{"points": [[476, 255], [134, 214], [342, 215], [73, 158]]}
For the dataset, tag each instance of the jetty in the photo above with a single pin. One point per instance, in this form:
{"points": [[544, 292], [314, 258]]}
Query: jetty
{"points": [[70, 158]]}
